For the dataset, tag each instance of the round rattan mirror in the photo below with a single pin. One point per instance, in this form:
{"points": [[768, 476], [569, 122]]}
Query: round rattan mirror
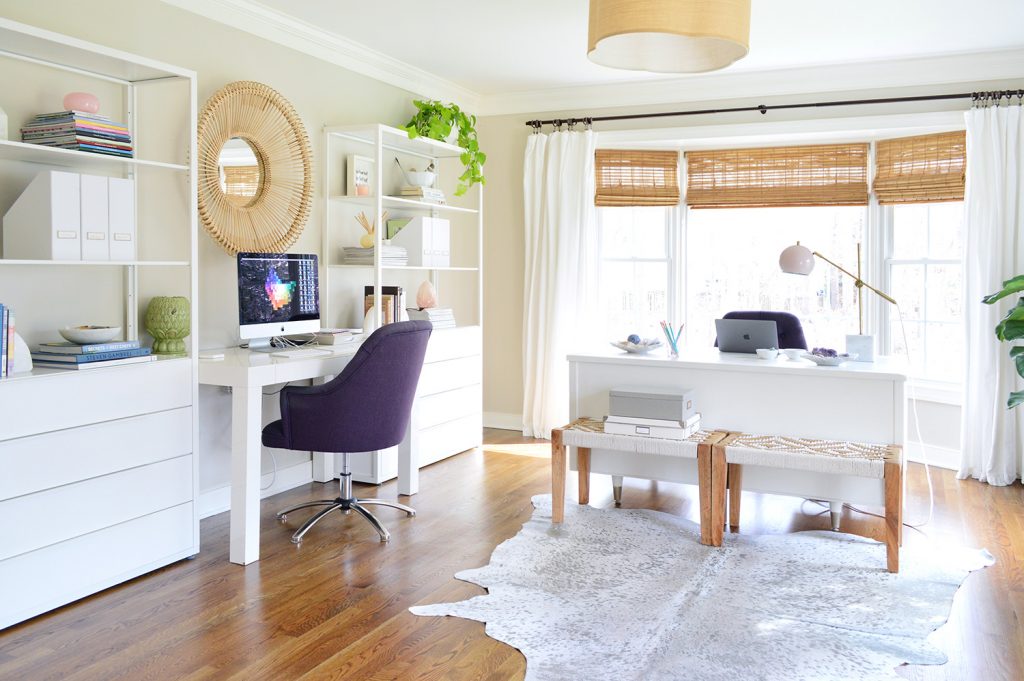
{"points": [[255, 169]]}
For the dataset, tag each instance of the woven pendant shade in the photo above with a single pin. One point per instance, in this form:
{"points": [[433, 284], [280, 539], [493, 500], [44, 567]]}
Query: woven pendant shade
{"points": [[668, 36], [921, 169]]}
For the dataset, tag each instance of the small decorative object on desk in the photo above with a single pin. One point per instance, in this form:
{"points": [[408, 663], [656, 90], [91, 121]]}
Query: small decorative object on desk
{"points": [[88, 333], [828, 357], [767, 353], [168, 320], [82, 101], [366, 240], [673, 338], [426, 295], [636, 345]]}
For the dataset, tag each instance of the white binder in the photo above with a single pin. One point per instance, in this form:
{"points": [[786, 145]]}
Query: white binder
{"points": [[121, 195], [95, 230]]}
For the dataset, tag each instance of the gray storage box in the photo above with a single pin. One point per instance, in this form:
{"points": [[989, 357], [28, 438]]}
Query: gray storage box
{"points": [[668, 404]]}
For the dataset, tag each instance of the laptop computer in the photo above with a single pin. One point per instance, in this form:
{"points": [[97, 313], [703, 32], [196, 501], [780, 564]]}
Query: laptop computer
{"points": [[746, 335]]}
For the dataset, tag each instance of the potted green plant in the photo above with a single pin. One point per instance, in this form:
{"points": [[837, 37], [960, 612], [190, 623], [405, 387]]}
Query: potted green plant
{"points": [[1011, 328], [436, 120]]}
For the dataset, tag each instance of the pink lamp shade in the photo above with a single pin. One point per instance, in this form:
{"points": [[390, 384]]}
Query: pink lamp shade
{"points": [[81, 101], [796, 259]]}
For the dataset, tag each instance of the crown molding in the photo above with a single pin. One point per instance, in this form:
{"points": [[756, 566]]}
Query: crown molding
{"points": [[283, 29], [866, 75]]}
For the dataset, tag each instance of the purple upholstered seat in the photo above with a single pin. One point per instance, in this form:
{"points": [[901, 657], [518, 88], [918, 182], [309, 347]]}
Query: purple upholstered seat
{"points": [[366, 407], [791, 333]]}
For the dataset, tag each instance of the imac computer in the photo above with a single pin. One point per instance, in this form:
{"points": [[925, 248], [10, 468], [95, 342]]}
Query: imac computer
{"points": [[278, 295]]}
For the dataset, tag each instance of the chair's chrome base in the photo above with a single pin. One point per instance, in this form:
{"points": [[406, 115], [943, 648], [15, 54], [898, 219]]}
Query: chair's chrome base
{"points": [[345, 503]]}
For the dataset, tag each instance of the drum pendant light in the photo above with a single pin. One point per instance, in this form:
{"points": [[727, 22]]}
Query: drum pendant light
{"points": [[668, 36]]}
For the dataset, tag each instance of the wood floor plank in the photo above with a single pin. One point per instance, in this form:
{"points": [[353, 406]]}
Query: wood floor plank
{"points": [[337, 606]]}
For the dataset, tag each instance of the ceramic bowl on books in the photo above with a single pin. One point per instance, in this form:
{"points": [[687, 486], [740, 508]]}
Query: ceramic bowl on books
{"points": [[829, 361], [420, 179], [88, 333], [640, 348]]}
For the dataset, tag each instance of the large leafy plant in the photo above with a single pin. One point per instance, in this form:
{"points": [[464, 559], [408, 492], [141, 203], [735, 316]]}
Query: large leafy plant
{"points": [[1011, 328], [436, 121]]}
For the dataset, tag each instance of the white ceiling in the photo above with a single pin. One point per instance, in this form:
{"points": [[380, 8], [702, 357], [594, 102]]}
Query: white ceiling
{"points": [[515, 56], [499, 46]]}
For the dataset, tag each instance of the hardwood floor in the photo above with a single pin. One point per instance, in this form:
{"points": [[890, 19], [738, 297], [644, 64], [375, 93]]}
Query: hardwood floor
{"points": [[336, 607]]}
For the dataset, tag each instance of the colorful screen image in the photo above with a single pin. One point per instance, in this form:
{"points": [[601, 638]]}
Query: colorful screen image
{"points": [[277, 287]]}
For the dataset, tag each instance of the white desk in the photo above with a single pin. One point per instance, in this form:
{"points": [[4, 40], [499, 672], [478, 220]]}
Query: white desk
{"points": [[247, 373], [859, 401]]}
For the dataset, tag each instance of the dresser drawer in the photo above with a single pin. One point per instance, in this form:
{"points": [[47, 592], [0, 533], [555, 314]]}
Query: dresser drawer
{"points": [[444, 344], [76, 398], [450, 374], [38, 462], [450, 438], [432, 410], [61, 513]]}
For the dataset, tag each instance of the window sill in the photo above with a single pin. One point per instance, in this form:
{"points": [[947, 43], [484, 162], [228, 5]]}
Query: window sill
{"points": [[939, 392]]}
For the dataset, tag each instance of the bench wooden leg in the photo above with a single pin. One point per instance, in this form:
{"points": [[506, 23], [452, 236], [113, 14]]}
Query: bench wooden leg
{"points": [[734, 481], [704, 492], [893, 513], [557, 477], [583, 464], [719, 472]]}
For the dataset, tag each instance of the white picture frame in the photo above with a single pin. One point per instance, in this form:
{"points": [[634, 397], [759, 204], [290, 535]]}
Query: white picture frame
{"points": [[359, 175]]}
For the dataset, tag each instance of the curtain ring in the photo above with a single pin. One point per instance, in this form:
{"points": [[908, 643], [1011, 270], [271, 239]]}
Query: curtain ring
{"points": [[590, 121]]}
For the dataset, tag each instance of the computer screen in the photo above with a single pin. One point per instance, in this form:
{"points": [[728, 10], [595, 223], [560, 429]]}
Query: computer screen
{"points": [[278, 294]]}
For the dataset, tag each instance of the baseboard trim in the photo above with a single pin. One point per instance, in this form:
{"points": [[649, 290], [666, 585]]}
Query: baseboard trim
{"points": [[940, 457], [218, 499], [502, 421]]}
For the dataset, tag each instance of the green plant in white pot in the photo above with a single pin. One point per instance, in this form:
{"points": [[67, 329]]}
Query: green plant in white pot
{"points": [[436, 120], [1011, 328]]}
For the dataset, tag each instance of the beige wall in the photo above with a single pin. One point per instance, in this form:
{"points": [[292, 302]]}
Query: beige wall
{"points": [[322, 94]]}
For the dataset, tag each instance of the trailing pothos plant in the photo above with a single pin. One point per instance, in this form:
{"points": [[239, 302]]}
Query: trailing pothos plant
{"points": [[1011, 328], [436, 121]]}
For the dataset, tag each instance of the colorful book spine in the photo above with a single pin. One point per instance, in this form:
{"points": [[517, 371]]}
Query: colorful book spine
{"points": [[92, 357], [4, 312], [69, 348]]}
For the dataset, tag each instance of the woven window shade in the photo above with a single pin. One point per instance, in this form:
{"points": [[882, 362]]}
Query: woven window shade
{"points": [[921, 169], [819, 175], [241, 180], [636, 178]]}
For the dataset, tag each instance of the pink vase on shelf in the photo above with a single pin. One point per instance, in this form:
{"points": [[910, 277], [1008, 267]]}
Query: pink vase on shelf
{"points": [[82, 101]]}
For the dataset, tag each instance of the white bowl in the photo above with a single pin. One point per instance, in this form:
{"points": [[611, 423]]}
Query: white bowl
{"points": [[638, 348], [90, 333], [794, 353], [421, 179], [767, 353]]}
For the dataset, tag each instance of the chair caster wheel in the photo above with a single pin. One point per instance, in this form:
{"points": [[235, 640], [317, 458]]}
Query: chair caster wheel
{"points": [[296, 541], [282, 518]]}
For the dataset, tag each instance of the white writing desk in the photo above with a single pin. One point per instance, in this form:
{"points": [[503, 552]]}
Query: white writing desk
{"points": [[858, 401], [247, 373]]}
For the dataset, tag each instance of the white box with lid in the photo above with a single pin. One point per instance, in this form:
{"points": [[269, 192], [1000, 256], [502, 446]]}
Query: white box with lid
{"points": [[667, 404]]}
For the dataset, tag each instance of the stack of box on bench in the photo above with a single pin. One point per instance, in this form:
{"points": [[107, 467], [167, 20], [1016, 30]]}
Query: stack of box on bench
{"points": [[654, 412]]}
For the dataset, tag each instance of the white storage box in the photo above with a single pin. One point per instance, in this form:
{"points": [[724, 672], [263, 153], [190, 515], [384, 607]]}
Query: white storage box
{"points": [[427, 240], [45, 223], [668, 404]]}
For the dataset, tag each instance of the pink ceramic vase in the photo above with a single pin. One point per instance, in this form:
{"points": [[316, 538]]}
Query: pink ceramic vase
{"points": [[81, 101]]}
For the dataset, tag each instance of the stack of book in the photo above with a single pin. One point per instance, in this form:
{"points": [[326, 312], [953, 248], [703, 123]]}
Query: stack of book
{"points": [[66, 355], [440, 317], [80, 131], [422, 193], [670, 430], [6, 341], [392, 301], [390, 256]]}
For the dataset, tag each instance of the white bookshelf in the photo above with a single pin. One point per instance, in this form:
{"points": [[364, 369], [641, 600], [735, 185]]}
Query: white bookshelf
{"points": [[97, 467], [447, 415]]}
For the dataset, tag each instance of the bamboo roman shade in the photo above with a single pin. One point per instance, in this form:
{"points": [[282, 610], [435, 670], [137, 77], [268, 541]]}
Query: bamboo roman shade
{"points": [[636, 178], [921, 169], [818, 175], [241, 180]]}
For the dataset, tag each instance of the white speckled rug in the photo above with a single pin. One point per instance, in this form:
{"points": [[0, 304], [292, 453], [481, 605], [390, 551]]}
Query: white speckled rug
{"points": [[632, 595]]}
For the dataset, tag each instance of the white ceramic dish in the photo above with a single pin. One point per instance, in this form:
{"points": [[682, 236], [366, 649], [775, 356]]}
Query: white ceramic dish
{"points": [[638, 348], [421, 179], [767, 353], [794, 353], [829, 361], [90, 333]]}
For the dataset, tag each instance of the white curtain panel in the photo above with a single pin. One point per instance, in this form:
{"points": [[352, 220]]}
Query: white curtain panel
{"points": [[992, 436], [558, 188]]}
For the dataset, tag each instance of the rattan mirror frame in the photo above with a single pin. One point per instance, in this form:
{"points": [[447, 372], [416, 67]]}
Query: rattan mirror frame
{"points": [[275, 217]]}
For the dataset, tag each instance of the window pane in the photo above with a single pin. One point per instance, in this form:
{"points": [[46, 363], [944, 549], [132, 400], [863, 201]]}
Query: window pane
{"points": [[634, 297], [945, 221], [910, 232], [633, 232], [928, 230], [943, 360], [732, 264], [943, 293], [907, 289]]}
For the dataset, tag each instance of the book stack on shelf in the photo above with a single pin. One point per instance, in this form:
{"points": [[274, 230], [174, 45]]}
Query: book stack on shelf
{"points": [[6, 341], [440, 317], [79, 131], [390, 256], [430, 194], [67, 355], [392, 301]]}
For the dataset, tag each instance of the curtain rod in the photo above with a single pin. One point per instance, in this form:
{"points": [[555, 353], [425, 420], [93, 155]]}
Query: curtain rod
{"points": [[764, 109]]}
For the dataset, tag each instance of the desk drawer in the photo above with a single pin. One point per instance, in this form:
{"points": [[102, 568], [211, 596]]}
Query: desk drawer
{"points": [[450, 438], [62, 513], [445, 344], [35, 463], [76, 398], [440, 408], [450, 374]]}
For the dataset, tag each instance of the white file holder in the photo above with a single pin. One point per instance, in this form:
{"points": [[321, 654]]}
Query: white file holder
{"points": [[45, 221], [121, 195], [95, 214]]}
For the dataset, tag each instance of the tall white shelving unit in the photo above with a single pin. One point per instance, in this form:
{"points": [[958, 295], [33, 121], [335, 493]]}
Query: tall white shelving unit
{"points": [[448, 412], [98, 477]]}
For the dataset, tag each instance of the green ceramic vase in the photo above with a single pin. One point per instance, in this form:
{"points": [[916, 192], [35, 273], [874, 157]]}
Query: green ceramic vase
{"points": [[168, 320]]}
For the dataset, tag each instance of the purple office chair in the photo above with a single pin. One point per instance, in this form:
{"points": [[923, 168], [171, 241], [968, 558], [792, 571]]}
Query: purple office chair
{"points": [[791, 333], [365, 408]]}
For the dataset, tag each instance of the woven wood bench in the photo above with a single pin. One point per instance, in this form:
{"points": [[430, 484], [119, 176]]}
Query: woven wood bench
{"points": [[812, 458], [588, 433]]}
